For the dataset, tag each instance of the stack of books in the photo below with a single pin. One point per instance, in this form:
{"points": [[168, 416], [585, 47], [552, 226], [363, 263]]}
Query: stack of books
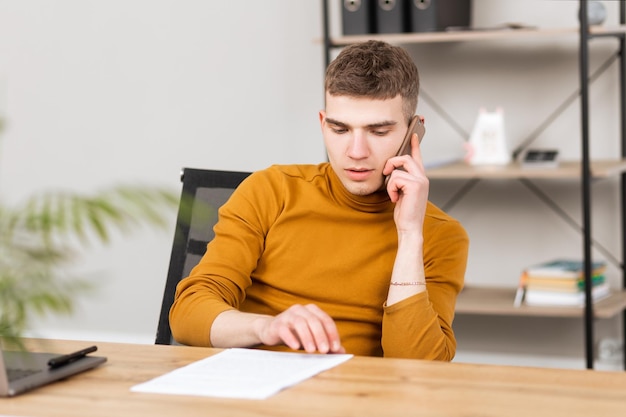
{"points": [[560, 282]]}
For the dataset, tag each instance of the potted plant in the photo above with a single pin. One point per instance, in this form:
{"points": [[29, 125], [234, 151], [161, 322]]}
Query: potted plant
{"points": [[41, 236]]}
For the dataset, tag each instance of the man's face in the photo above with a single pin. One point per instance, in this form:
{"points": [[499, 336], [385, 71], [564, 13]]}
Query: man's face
{"points": [[360, 135]]}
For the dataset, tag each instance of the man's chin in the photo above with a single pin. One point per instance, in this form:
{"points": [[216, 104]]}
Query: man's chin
{"points": [[362, 188]]}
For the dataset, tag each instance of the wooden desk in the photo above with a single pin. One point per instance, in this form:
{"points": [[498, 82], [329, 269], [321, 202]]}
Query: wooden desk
{"points": [[360, 387]]}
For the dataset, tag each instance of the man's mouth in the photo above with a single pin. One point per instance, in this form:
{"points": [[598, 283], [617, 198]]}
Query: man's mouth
{"points": [[358, 174]]}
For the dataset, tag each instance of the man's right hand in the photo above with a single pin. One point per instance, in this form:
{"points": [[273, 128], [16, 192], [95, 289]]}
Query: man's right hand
{"points": [[299, 327]]}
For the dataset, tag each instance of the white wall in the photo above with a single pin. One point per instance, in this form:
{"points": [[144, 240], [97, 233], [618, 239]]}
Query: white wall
{"points": [[98, 92]]}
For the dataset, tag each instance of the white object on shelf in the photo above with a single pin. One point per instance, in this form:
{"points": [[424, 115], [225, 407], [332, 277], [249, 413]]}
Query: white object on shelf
{"points": [[487, 144]]}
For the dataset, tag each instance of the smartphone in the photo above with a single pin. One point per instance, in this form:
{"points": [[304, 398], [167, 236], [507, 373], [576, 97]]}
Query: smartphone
{"points": [[415, 126]]}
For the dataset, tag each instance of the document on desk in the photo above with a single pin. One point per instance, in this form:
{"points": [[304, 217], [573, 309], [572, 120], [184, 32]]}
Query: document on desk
{"points": [[242, 373]]}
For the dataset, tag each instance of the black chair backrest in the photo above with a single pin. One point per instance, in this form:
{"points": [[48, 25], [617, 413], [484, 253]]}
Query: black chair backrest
{"points": [[203, 193]]}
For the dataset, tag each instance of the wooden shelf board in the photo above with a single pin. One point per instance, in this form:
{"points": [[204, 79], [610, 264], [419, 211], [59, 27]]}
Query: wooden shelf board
{"points": [[499, 301], [471, 35], [565, 170]]}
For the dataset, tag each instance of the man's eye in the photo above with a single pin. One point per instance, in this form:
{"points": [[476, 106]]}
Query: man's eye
{"points": [[380, 132], [339, 130]]}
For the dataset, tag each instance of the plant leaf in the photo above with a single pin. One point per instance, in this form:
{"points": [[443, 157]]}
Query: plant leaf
{"points": [[40, 237]]}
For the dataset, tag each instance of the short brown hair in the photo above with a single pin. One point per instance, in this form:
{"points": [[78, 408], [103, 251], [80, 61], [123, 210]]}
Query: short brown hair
{"points": [[377, 70]]}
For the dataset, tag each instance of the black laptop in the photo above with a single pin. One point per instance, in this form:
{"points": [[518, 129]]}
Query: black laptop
{"points": [[22, 371]]}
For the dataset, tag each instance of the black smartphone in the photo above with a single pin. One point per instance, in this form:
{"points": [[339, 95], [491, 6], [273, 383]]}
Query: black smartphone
{"points": [[415, 126]]}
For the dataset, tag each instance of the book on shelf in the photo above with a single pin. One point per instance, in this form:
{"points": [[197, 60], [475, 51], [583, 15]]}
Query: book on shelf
{"points": [[564, 268], [541, 297], [560, 282]]}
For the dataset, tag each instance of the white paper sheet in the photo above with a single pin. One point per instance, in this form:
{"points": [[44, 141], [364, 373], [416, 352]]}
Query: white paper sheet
{"points": [[241, 373]]}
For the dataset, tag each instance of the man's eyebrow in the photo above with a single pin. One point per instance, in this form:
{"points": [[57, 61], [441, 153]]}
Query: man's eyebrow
{"points": [[384, 123], [335, 122]]}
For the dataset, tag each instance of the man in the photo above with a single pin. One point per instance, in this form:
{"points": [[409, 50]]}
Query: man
{"points": [[327, 258]]}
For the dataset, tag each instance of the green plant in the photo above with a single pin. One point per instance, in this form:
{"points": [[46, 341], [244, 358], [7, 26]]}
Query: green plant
{"points": [[40, 239]]}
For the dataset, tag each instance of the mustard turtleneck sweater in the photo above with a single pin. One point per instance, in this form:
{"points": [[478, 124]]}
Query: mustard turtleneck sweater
{"points": [[294, 235]]}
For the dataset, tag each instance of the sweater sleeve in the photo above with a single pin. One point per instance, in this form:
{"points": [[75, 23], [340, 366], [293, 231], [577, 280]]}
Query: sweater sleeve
{"points": [[219, 281], [420, 327]]}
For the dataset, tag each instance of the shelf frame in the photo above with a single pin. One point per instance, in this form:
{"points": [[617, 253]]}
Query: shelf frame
{"points": [[586, 35]]}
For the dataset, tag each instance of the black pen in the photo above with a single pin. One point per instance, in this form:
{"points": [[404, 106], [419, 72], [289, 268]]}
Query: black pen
{"points": [[70, 357]]}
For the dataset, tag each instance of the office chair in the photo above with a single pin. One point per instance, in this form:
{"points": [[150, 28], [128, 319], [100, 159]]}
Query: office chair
{"points": [[203, 192]]}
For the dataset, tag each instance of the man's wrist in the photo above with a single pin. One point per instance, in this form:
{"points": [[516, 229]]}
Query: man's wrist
{"points": [[407, 283]]}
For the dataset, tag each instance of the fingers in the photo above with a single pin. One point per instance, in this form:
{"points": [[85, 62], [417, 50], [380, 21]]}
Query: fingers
{"points": [[406, 162], [306, 327], [413, 168], [324, 330], [416, 151]]}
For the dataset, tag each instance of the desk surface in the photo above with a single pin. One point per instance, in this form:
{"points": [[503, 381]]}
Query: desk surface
{"points": [[360, 387]]}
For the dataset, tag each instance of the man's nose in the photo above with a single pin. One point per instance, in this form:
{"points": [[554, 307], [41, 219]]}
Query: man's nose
{"points": [[358, 147]]}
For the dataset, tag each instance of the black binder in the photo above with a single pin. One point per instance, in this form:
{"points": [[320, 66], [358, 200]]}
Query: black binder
{"points": [[390, 16], [357, 17], [423, 15], [438, 15]]}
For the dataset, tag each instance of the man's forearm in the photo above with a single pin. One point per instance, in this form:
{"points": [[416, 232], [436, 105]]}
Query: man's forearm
{"points": [[407, 278], [232, 328]]}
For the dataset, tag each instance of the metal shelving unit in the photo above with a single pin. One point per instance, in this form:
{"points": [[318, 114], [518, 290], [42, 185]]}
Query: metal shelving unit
{"points": [[491, 301]]}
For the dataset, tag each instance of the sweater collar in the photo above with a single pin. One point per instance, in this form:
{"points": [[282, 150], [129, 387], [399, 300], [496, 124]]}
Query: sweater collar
{"points": [[377, 202]]}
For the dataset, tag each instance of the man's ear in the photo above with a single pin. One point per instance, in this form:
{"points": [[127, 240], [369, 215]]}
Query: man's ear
{"points": [[322, 116]]}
